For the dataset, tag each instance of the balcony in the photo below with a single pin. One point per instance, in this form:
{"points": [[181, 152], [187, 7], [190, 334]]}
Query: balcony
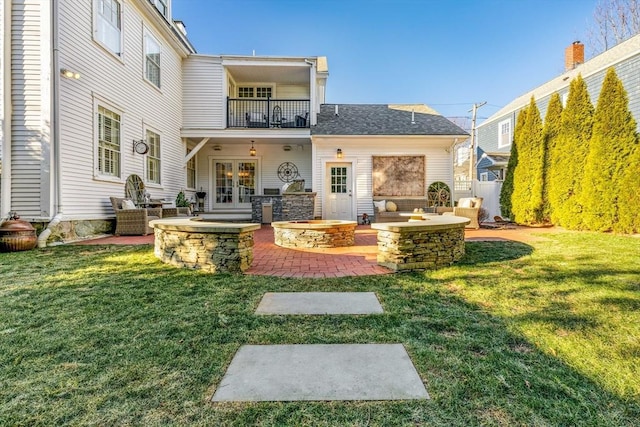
{"points": [[268, 113]]}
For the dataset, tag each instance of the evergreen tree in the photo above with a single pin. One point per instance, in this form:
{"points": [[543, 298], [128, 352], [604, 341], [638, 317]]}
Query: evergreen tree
{"points": [[567, 178], [507, 185], [613, 141], [526, 199], [629, 194], [552, 125]]}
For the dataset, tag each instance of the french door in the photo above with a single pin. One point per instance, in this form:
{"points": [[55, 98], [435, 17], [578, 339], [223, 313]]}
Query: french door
{"points": [[234, 182]]}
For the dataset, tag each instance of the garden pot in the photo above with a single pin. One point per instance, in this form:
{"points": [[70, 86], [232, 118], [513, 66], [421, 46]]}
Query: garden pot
{"points": [[17, 235]]}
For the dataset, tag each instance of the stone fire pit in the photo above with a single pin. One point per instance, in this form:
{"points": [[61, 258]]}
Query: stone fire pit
{"points": [[314, 233]]}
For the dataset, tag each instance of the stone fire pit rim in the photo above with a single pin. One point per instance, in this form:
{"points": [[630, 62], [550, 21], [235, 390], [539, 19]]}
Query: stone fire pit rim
{"points": [[313, 224], [433, 223], [197, 225]]}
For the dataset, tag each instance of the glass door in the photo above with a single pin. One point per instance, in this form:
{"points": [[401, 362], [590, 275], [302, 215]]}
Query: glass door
{"points": [[235, 181]]}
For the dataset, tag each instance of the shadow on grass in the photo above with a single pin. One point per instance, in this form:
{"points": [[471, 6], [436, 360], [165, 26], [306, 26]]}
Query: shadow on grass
{"points": [[113, 336]]}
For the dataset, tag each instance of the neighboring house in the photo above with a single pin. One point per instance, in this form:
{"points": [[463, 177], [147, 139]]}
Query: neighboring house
{"points": [[81, 93], [495, 135]]}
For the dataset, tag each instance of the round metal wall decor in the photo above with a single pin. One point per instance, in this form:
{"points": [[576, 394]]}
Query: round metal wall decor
{"points": [[287, 172]]}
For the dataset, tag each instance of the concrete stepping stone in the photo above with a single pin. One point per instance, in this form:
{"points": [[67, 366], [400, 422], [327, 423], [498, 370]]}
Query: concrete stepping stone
{"points": [[320, 372], [319, 303]]}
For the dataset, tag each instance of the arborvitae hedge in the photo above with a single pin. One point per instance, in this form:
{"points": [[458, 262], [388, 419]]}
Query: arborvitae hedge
{"points": [[612, 144], [629, 194], [567, 173], [507, 185], [526, 199], [552, 125]]}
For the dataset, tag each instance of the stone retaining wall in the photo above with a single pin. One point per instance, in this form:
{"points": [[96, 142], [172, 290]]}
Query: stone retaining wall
{"points": [[222, 249], [422, 245], [314, 234]]}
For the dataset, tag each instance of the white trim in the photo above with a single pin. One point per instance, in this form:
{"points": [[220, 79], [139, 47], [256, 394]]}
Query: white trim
{"points": [[501, 144], [211, 177], [325, 161]]}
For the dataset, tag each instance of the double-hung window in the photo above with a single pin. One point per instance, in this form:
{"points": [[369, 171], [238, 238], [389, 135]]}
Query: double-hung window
{"points": [[109, 147], [108, 24], [153, 157], [504, 133], [151, 59], [191, 171]]}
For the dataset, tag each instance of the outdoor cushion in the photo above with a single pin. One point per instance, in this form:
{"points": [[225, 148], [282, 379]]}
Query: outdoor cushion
{"points": [[465, 203], [391, 207], [128, 204], [380, 205]]}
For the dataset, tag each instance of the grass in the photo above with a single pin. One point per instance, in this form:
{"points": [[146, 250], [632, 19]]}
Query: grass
{"points": [[542, 335]]}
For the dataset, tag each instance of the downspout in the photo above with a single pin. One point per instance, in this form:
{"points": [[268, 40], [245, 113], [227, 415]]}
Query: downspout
{"points": [[55, 127], [5, 191]]}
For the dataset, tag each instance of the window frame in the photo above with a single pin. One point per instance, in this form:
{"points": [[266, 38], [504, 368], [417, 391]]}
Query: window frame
{"points": [[255, 88], [164, 3], [97, 15], [501, 144], [149, 36], [98, 173], [153, 157], [192, 168]]}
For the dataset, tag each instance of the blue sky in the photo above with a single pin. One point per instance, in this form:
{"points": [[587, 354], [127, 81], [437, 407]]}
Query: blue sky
{"points": [[448, 54]]}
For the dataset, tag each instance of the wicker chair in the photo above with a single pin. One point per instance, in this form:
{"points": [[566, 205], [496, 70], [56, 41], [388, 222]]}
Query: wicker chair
{"points": [[172, 212], [468, 207], [133, 222]]}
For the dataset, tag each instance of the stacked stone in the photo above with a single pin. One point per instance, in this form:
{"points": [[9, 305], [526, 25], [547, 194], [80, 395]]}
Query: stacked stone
{"points": [[210, 252], [415, 249], [333, 237], [256, 207], [297, 206]]}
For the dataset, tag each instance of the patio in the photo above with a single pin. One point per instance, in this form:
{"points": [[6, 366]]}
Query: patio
{"points": [[357, 260]]}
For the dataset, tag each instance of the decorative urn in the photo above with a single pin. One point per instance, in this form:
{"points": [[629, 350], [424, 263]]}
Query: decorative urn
{"points": [[17, 235]]}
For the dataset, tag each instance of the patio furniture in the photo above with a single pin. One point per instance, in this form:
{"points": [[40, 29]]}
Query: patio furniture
{"points": [[256, 120], [176, 212], [133, 221], [300, 121], [468, 207]]}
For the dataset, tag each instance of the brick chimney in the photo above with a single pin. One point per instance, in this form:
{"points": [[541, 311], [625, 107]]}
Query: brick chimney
{"points": [[573, 56]]}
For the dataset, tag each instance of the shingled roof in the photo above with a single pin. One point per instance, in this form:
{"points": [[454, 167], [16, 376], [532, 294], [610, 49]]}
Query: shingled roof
{"points": [[383, 119]]}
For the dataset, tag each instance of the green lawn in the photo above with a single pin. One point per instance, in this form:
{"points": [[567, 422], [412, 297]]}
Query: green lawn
{"points": [[546, 334]]}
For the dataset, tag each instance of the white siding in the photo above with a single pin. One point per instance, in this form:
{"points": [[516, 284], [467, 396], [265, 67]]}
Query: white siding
{"points": [[204, 100], [30, 45], [121, 83], [292, 92], [359, 151]]}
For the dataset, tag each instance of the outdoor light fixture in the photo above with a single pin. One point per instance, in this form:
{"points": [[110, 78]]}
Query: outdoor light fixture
{"points": [[286, 148], [339, 153], [68, 74], [252, 150]]}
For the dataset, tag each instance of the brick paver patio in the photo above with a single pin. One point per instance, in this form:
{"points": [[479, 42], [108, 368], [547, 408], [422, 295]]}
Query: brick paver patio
{"points": [[357, 260]]}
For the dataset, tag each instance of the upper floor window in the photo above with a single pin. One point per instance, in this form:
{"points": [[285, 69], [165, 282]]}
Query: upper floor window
{"points": [[504, 133], [162, 6], [254, 92], [109, 148], [151, 59], [191, 171], [153, 157], [108, 24]]}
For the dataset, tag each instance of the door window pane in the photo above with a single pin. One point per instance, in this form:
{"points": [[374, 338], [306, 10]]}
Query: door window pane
{"points": [[338, 180]]}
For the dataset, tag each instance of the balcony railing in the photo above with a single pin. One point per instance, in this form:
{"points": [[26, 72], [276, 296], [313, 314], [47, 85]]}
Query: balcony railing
{"points": [[268, 113]]}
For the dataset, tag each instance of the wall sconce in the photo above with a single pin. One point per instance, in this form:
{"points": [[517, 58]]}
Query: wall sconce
{"points": [[286, 148], [217, 147], [68, 74], [339, 153], [252, 150]]}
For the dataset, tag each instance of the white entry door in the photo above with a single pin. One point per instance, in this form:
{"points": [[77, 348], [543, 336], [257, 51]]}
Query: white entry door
{"points": [[338, 192], [234, 182]]}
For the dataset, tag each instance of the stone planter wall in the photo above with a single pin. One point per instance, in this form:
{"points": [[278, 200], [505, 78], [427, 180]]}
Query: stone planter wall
{"points": [[422, 245], [314, 234], [226, 248]]}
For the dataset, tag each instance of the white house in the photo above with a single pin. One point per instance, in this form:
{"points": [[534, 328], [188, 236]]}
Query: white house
{"points": [[84, 82]]}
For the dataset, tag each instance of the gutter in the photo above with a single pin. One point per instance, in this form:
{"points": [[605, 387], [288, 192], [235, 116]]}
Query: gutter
{"points": [[5, 191], [55, 126]]}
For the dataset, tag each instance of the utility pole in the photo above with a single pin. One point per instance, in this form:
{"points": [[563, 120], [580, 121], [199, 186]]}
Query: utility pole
{"points": [[472, 143]]}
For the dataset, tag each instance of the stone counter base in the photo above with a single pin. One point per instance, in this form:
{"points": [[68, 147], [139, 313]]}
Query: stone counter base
{"points": [[422, 245], [211, 248]]}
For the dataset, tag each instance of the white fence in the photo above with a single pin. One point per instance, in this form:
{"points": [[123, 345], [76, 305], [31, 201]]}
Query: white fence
{"points": [[490, 192]]}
